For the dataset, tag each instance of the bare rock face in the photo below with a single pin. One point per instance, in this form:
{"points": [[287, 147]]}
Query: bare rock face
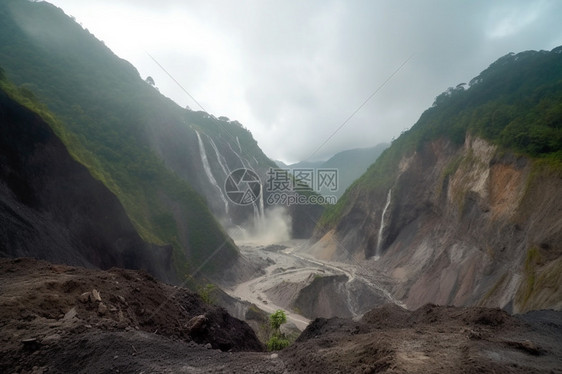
{"points": [[465, 225], [52, 208]]}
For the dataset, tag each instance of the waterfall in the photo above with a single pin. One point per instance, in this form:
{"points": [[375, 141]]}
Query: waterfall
{"points": [[239, 158], [381, 228], [239, 147], [208, 171], [261, 202], [220, 158], [259, 213]]}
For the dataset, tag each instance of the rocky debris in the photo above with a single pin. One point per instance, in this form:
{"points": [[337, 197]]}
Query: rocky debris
{"points": [[46, 328], [431, 339], [196, 325], [43, 305], [102, 309], [96, 295]]}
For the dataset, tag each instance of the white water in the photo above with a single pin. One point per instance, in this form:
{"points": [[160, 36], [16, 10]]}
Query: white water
{"points": [[208, 171], [262, 213], [259, 207], [237, 155], [381, 228], [220, 158], [239, 147]]}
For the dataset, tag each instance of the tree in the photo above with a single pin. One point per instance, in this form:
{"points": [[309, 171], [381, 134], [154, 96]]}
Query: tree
{"points": [[278, 340], [277, 319], [150, 81]]}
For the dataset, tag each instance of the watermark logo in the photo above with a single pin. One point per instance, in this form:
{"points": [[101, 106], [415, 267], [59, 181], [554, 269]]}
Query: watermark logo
{"points": [[300, 186], [303, 179], [243, 186]]}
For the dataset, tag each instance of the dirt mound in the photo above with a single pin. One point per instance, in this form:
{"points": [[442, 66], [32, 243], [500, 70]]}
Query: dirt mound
{"points": [[388, 315], [42, 303], [432, 339], [62, 319]]}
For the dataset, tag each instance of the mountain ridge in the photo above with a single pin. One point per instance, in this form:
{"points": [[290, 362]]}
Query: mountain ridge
{"points": [[140, 144], [467, 222]]}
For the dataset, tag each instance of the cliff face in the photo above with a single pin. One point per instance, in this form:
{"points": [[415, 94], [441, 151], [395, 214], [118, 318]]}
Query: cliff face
{"points": [[465, 207], [464, 225], [52, 208], [158, 158]]}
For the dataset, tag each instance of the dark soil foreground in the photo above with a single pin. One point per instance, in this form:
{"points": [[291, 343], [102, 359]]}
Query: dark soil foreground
{"points": [[52, 321]]}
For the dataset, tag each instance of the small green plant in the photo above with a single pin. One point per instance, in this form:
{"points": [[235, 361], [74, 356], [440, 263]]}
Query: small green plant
{"points": [[277, 319], [277, 343], [208, 293], [278, 340]]}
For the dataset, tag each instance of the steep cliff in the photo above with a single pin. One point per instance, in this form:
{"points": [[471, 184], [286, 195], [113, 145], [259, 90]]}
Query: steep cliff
{"points": [[52, 208], [466, 207], [142, 145]]}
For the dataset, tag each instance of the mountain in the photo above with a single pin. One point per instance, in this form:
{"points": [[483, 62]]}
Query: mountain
{"points": [[350, 165], [465, 207], [168, 166], [306, 164], [52, 208]]}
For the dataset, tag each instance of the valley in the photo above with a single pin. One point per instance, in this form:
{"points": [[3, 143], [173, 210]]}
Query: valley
{"points": [[139, 235], [341, 289]]}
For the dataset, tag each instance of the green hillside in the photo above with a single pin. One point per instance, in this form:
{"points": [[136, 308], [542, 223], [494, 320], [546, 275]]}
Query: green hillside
{"points": [[516, 103], [102, 110]]}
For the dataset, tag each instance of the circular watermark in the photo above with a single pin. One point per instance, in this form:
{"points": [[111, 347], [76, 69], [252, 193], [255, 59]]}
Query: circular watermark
{"points": [[243, 186]]}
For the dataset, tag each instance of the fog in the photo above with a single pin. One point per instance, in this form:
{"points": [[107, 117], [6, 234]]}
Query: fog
{"points": [[274, 227]]}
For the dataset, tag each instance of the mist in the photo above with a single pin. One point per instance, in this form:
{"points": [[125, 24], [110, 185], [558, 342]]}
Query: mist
{"points": [[274, 227]]}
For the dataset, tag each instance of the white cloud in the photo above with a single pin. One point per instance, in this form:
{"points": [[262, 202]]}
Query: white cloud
{"points": [[292, 71]]}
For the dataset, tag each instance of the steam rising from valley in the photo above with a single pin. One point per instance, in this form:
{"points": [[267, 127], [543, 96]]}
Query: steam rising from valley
{"points": [[273, 227]]}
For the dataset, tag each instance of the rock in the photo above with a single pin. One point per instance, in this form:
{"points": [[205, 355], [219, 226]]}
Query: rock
{"points": [[70, 314], [96, 295], [102, 309], [85, 297], [51, 339], [31, 344], [274, 355], [196, 324], [208, 346]]}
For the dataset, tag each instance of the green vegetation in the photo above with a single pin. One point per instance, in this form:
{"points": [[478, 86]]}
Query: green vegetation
{"points": [[516, 103], [278, 340], [208, 293], [106, 115], [532, 261], [277, 319], [541, 274], [276, 343]]}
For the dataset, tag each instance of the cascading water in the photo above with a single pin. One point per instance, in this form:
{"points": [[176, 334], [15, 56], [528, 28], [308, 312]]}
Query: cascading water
{"points": [[239, 157], [381, 228], [239, 147], [262, 213], [259, 207], [220, 158], [208, 171]]}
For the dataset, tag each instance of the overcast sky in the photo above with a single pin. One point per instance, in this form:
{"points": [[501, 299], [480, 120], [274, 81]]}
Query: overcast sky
{"points": [[292, 71]]}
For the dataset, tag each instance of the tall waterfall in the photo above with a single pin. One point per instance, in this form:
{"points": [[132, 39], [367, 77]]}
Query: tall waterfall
{"points": [[208, 171], [239, 147], [381, 228], [220, 158], [259, 213]]}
